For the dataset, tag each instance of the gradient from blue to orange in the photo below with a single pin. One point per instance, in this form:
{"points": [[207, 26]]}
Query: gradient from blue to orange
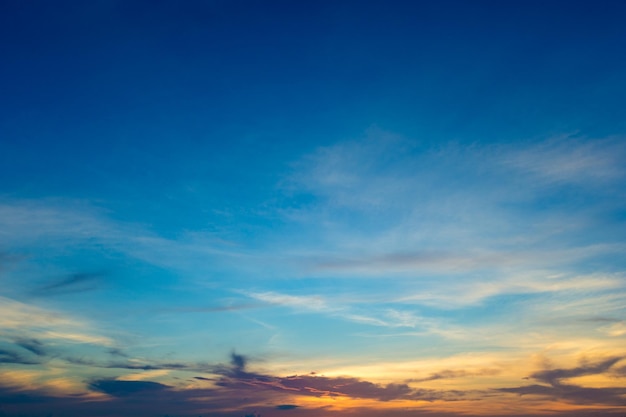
{"points": [[327, 208]]}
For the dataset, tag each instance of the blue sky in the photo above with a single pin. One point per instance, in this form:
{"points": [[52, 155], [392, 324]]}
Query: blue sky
{"points": [[325, 208]]}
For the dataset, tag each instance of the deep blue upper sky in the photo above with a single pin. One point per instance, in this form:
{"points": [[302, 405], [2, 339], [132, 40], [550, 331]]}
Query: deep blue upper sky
{"points": [[233, 88]]}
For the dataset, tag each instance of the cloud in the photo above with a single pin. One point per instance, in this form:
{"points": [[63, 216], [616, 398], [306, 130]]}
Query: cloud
{"points": [[615, 330], [72, 283], [236, 377], [474, 290], [457, 261], [286, 407], [238, 361], [341, 309], [465, 223], [559, 391], [117, 352], [554, 376], [320, 386], [30, 322], [125, 388], [356, 174], [78, 337], [134, 364], [298, 302], [57, 224], [453, 374], [571, 160], [235, 389], [142, 376], [573, 394], [32, 345], [10, 357], [15, 314], [619, 371]]}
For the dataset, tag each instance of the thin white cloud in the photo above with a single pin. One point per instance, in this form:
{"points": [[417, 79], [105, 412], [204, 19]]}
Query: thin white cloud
{"points": [[14, 315], [571, 160], [58, 225], [615, 329], [360, 174], [19, 319], [377, 263], [464, 223], [385, 196], [76, 338], [306, 302], [350, 311], [142, 376], [452, 293]]}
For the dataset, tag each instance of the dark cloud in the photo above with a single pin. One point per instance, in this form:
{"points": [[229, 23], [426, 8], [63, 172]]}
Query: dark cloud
{"points": [[150, 399], [451, 374], [10, 357], [619, 371], [32, 345], [133, 365], [127, 365], [237, 378], [125, 388], [573, 394], [557, 390], [286, 407], [78, 282], [238, 361], [235, 390], [128, 398], [117, 352], [553, 376]]}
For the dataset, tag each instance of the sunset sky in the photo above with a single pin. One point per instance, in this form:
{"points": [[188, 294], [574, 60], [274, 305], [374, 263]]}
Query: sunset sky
{"points": [[312, 208]]}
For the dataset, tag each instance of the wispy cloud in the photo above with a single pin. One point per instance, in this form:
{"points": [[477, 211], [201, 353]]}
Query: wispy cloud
{"points": [[71, 283], [397, 201], [306, 302], [11, 357], [453, 374], [461, 293], [615, 329], [352, 310], [58, 225], [32, 345], [25, 321], [571, 160]]}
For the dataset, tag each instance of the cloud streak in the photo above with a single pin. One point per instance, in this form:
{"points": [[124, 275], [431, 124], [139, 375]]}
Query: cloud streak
{"points": [[72, 283], [571, 160]]}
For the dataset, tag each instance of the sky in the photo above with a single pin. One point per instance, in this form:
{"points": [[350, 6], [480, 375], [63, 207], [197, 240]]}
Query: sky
{"points": [[312, 209]]}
